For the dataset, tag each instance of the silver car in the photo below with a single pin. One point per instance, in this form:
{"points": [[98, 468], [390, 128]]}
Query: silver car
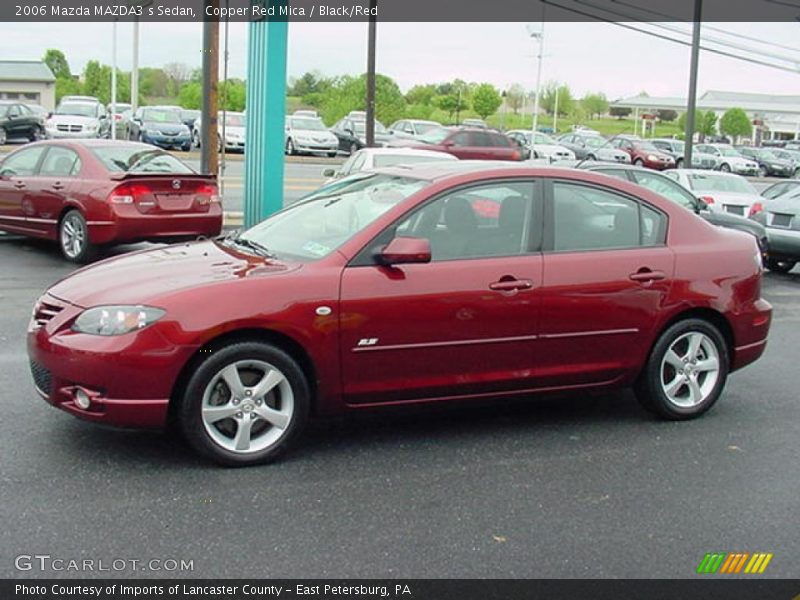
{"points": [[308, 135], [781, 217], [412, 129], [730, 161], [722, 192], [78, 118], [233, 126]]}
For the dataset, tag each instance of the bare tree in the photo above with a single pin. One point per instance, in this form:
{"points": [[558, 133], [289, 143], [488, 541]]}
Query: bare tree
{"points": [[178, 73]]}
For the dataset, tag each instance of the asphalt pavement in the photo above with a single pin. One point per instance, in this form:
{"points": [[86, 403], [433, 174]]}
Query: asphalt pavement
{"points": [[580, 486]]}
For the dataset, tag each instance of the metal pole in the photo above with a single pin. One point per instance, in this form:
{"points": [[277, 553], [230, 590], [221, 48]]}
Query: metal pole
{"points": [[208, 156], [371, 75], [113, 116], [538, 80], [555, 113], [135, 67], [692, 104], [224, 161]]}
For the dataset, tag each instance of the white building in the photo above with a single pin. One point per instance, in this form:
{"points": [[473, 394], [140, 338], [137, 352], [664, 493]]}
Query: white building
{"points": [[780, 114], [28, 81]]}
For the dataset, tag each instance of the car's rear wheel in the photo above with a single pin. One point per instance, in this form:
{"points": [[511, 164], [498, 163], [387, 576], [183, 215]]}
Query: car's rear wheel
{"points": [[686, 371], [290, 147], [639, 162], [73, 237], [36, 134], [725, 168], [245, 404], [3, 137], [780, 266]]}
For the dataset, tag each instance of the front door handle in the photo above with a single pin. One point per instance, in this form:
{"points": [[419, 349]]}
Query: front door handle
{"points": [[20, 185], [510, 285], [58, 185], [646, 275]]}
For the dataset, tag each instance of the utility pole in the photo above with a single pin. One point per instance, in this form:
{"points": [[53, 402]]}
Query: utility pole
{"points": [[692, 104], [209, 159], [537, 35], [555, 113], [113, 116], [371, 74], [135, 67]]}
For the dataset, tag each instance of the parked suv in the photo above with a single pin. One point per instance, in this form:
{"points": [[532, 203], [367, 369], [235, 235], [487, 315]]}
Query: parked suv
{"points": [[79, 117], [468, 143], [19, 121]]}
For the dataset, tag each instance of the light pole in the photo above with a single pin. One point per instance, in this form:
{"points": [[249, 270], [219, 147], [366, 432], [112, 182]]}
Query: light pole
{"points": [[113, 116], [135, 67], [539, 36]]}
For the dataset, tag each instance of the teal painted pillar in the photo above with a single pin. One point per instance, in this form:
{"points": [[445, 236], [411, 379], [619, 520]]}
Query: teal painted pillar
{"points": [[266, 111]]}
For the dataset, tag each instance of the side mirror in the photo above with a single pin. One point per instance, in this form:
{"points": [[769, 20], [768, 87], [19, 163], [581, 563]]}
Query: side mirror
{"points": [[329, 173], [449, 144], [348, 131], [405, 250], [701, 205]]}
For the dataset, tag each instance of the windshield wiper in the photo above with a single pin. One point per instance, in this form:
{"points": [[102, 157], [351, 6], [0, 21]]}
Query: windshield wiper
{"points": [[253, 245]]}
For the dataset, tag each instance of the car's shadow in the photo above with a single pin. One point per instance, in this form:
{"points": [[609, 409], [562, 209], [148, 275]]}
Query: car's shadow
{"points": [[379, 430], [47, 251]]}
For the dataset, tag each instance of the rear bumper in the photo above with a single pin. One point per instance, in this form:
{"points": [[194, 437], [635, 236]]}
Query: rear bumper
{"points": [[128, 225], [752, 327]]}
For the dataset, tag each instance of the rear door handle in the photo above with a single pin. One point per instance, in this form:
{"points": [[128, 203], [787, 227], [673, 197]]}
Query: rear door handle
{"points": [[19, 185], [511, 285], [58, 185], [648, 275]]}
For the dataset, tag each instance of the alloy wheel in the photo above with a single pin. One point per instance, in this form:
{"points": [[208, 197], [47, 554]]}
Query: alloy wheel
{"points": [[690, 369], [247, 406], [2, 136], [725, 168], [73, 235]]}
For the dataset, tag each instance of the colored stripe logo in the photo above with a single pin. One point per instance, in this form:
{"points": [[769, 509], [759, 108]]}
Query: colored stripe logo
{"points": [[734, 562]]}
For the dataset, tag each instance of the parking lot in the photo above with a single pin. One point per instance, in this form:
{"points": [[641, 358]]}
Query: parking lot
{"points": [[579, 486]]}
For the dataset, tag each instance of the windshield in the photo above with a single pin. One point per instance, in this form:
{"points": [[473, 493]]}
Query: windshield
{"points": [[425, 127], [727, 151], [154, 115], [77, 109], [315, 227], [309, 124], [361, 127], [435, 136], [129, 158], [767, 155], [708, 182], [594, 142], [234, 120], [187, 115], [647, 146]]}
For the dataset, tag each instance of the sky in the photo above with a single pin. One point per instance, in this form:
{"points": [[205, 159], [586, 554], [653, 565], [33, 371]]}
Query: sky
{"points": [[587, 56]]}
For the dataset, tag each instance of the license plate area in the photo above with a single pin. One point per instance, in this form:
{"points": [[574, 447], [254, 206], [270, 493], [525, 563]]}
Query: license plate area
{"points": [[175, 202]]}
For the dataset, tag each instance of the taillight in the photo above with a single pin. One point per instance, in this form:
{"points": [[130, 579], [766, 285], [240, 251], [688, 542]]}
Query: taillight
{"points": [[516, 155], [707, 199], [128, 193], [756, 208], [207, 194]]}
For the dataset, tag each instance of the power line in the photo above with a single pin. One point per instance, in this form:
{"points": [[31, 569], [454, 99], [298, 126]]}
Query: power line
{"points": [[670, 39]]}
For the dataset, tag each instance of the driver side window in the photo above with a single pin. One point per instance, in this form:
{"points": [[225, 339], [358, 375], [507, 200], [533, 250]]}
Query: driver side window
{"points": [[22, 163]]}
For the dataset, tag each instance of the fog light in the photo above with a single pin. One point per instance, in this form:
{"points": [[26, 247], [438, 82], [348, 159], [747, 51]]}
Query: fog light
{"points": [[82, 399]]}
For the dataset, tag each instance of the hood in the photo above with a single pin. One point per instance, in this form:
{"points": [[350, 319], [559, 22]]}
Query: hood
{"points": [[611, 153], [408, 143], [167, 128], [740, 160], [316, 134], [141, 277], [72, 120]]}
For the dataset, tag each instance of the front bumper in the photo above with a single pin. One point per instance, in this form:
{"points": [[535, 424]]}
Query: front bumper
{"points": [[129, 378], [127, 224], [742, 170], [302, 146], [167, 141], [784, 244], [55, 134]]}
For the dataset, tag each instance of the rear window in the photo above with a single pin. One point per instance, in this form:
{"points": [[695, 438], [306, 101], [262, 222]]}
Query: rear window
{"points": [[500, 140], [387, 160], [702, 182], [136, 159]]}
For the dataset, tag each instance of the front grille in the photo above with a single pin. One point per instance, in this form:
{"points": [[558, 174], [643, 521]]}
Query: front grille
{"points": [[41, 378], [70, 128], [44, 312], [781, 220]]}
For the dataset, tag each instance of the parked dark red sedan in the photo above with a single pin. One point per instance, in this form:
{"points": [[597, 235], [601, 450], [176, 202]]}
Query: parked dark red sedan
{"points": [[644, 153], [393, 289], [89, 193], [467, 143]]}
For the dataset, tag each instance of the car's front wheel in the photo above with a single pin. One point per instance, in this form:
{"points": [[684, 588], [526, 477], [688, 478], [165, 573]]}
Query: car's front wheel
{"points": [[679, 163], [639, 162], [290, 147], [686, 371], [3, 137], [725, 168], [762, 171], [244, 404], [73, 238], [780, 266], [37, 133]]}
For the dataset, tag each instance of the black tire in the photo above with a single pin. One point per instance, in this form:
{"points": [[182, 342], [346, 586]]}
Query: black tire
{"points": [[763, 172], [725, 168], [591, 157], [36, 134], [332, 154], [190, 409], [780, 266], [290, 150], [649, 388], [679, 163], [72, 227], [353, 148], [639, 162], [186, 147], [3, 136]]}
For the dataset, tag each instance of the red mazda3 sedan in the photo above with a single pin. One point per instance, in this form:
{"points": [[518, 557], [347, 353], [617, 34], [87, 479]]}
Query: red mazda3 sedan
{"points": [[90, 193], [393, 289]]}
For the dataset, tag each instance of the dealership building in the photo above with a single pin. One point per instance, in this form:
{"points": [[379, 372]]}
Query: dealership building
{"points": [[777, 117], [28, 81]]}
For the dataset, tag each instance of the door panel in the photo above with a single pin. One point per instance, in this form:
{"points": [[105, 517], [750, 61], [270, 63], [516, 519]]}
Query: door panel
{"points": [[15, 192]]}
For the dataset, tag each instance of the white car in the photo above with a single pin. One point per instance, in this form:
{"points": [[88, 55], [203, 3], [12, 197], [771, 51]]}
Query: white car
{"points": [[543, 145], [234, 128], [722, 192], [372, 158], [309, 135], [729, 159], [77, 118]]}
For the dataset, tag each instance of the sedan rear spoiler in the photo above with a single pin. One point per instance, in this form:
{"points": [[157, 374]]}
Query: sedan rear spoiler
{"points": [[134, 175]]}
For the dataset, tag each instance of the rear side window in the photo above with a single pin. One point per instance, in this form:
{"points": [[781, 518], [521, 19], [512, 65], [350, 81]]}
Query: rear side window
{"points": [[60, 162], [460, 139], [500, 140], [590, 218], [136, 159], [22, 163], [481, 139]]}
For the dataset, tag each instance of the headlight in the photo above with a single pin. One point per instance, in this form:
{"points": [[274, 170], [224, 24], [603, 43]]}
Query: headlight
{"points": [[652, 157], [116, 320]]}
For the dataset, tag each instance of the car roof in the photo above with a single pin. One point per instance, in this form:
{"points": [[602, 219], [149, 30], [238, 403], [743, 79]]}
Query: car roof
{"points": [[443, 170], [707, 172], [409, 151]]}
